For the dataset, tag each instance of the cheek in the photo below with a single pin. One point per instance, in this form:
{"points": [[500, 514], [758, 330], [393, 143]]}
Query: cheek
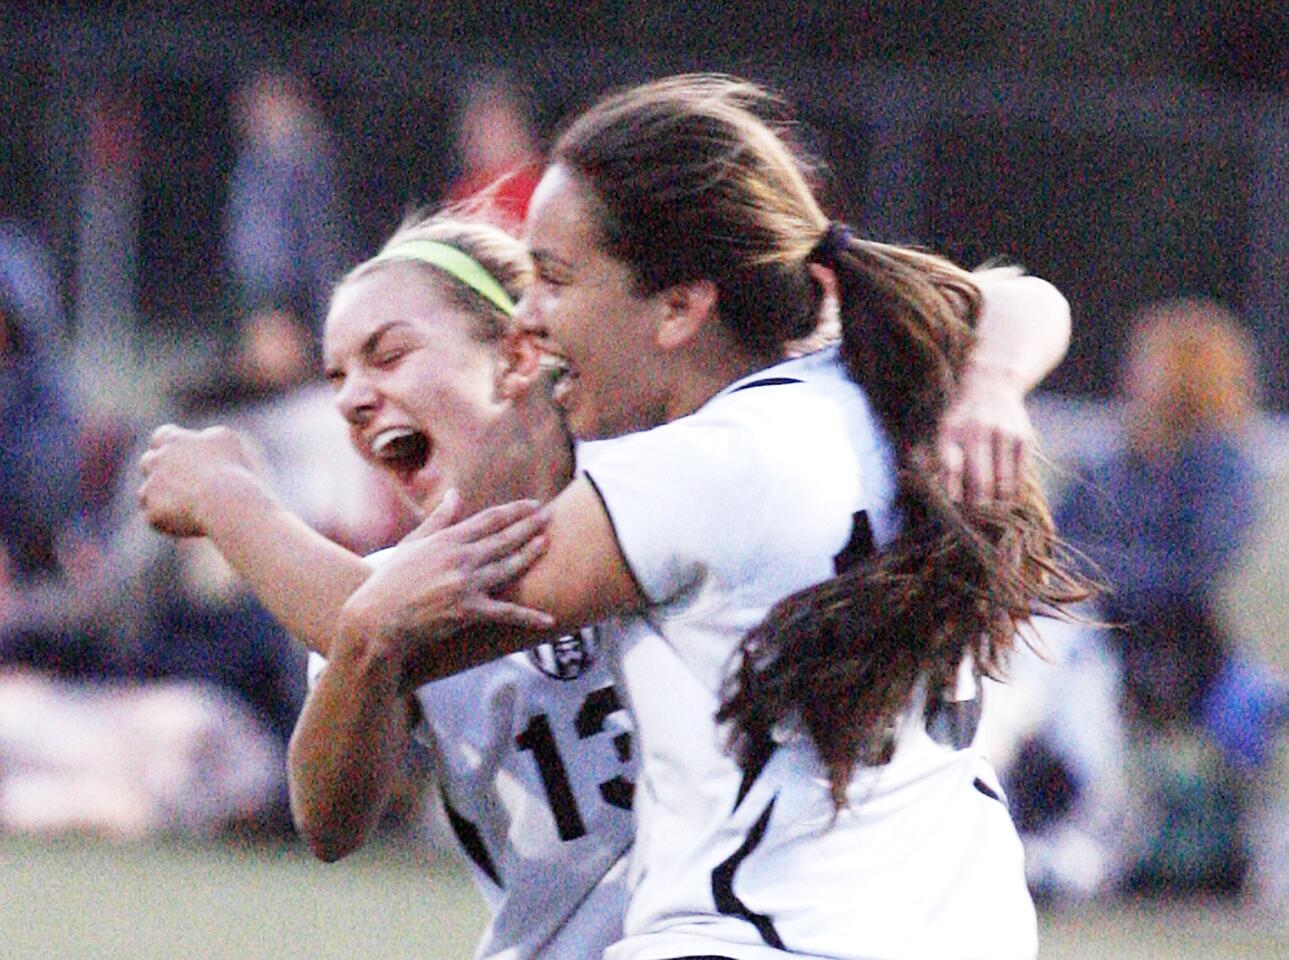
{"points": [[459, 411]]}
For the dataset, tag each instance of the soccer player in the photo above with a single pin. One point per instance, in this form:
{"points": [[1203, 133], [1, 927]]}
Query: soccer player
{"points": [[545, 722], [532, 751], [817, 602]]}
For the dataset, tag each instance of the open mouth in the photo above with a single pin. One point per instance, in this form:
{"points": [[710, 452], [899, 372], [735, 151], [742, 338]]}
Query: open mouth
{"points": [[560, 374], [401, 448], [555, 367]]}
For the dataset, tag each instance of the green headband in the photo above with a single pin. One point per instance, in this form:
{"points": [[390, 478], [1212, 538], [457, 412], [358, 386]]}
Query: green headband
{"points": [[454, 263]]}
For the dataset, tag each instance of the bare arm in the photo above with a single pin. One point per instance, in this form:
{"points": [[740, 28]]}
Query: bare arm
{"points": [[1022, 334], [412, 609], [345, 753], [206, 483], [1024, 328]]}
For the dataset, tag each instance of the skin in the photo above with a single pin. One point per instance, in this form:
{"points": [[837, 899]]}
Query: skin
{"points": [[637, 362], [355, 725], [398, 354], [1022, 334]]}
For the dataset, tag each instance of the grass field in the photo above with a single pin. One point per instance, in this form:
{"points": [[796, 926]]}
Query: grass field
{"points": [[75, 899]]}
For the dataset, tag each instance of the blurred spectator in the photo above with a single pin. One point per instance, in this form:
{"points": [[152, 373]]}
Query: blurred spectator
{"points": [[120, 759], [1163, 517], [202, 686], [500, 159], [128, 760], [285, 226], [39, 459], [1054, 731], [41, 502]]}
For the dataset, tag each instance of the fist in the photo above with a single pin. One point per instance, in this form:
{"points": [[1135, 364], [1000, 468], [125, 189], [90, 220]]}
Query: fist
{"points": [[189, 474]]}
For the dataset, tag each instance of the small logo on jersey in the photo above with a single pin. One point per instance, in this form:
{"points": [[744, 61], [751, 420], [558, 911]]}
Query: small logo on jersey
{"points": [[568, 657]]}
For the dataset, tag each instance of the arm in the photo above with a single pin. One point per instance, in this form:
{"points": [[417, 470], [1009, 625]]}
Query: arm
{"points": [[1022, 334], [1024, 328], [207, 484], [345, 753], [409, 614]]}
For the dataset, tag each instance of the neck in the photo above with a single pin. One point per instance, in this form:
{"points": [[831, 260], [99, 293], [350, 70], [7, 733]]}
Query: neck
{"points": [[707, 366], [530, 456]]}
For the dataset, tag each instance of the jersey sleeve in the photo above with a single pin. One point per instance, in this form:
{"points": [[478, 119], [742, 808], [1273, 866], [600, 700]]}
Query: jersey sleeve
{"points": [[768, 474], [681, 498]]}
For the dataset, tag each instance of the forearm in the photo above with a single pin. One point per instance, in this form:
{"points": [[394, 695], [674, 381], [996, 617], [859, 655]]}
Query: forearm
{"points": [[301, 577], [419, 646], [345, 753], [1023, 331]]}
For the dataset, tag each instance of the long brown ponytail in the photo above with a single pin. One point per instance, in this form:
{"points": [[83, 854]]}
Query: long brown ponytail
{"points": [[694, 177], [841, 661]]}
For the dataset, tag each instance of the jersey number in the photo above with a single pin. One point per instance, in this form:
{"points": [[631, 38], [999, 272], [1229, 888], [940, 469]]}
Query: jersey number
{"points": [[538, 738]]}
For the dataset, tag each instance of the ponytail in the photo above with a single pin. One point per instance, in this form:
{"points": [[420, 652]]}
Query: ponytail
{"points": [[841, 661]]}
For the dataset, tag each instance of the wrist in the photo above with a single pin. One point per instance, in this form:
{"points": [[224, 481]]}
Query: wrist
{"points": [[365, 643], [231, 495], [994, 372]]}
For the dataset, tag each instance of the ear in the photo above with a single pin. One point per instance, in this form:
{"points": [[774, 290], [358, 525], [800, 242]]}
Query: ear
{"points": [[687, 308], [518, 366]]}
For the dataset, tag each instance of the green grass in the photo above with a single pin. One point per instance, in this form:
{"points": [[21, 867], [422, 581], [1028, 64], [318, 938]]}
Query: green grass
{"points": [[70, 899], [79, 899]]}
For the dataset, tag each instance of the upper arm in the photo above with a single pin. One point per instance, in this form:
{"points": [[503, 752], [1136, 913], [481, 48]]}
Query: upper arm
{"points": [[1024, 327], [583, 577]]}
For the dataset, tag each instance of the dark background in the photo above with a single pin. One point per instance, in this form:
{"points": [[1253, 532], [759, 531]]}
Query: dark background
{"points": [[1119, 149]]}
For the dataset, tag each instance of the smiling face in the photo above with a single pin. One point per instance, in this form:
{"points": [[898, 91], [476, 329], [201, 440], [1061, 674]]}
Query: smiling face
{"points": [[590, 320], [414, 383]]}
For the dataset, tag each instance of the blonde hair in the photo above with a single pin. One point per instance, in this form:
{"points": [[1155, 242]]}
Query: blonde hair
{"points": [[464, 228], [1191, 369]]}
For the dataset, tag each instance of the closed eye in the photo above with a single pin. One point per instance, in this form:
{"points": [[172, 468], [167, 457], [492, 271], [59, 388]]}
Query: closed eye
{"points": [[387, 358]]}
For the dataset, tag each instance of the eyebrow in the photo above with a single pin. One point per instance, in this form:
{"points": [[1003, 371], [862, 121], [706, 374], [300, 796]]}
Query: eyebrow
{"points": [[546, 258], [368, 345]]}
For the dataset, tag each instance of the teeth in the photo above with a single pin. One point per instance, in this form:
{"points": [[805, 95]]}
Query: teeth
{"points": [[385, 443], [557, 367]]}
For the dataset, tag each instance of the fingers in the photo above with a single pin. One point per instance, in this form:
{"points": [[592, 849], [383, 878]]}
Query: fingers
{"points": [[1007, 452], [978, 470], [951, 467], [163, 435], [511, 562], [487, 522], [502, 611], [440, 518]]}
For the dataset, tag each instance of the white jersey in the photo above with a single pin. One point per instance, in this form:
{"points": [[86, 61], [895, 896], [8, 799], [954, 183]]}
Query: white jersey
{"points": [[764, 491], [533, 755]]}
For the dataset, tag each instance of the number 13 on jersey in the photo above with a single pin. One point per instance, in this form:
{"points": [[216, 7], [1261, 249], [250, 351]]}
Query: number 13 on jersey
{"points": [[540, 739]]}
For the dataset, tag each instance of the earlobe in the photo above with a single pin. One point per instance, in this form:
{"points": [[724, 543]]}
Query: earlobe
{"points": [[518, 366], [687, 309]]}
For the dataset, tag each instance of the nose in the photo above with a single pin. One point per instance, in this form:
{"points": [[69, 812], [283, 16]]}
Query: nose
{"points": [[527, 318], [356, 400]]}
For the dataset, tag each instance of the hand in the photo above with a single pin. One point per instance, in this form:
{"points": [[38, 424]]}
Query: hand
{"points": [[186, 471], [445, 575], [985, 438]]}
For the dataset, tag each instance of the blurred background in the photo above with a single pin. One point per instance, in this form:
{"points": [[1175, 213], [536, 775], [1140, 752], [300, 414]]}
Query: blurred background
{"points": [[182, 183]]}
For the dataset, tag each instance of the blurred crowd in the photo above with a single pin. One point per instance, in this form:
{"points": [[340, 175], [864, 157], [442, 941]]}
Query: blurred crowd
{"points": [[142, 690]]}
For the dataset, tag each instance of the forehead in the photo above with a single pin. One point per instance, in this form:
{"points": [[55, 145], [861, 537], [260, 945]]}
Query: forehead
{"points": [[561, 214], [401, 293]]}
